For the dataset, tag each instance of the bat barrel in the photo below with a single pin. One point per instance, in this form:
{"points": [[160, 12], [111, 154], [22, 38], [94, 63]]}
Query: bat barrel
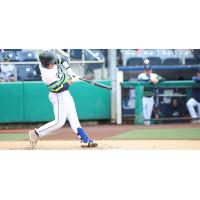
{"points": [[97, 84]]}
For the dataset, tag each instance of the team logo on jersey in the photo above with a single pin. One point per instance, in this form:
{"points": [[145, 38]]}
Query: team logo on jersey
{"points": [[59, 73]]}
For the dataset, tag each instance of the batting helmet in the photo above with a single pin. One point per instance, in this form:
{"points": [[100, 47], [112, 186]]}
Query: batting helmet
{"points": [[47, 58]]}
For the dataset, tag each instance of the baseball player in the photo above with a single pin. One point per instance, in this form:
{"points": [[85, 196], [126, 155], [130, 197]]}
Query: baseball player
{"points": [[195, 101], [148, 98], [58, 76]]}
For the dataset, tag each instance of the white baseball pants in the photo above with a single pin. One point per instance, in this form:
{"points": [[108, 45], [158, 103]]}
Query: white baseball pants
{"points": [[64, 108], [191, 104], [147, 109]]}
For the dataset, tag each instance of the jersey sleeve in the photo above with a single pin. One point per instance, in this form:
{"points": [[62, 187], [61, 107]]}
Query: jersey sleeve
{"points": [[139, 78]]}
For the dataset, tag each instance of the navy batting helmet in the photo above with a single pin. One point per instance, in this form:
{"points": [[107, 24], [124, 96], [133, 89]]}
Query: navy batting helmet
{"points": [[47, 58]]}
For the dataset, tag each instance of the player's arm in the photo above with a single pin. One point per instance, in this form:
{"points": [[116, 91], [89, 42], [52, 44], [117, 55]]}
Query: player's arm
{"points": [[72, 77], [157, 79]]}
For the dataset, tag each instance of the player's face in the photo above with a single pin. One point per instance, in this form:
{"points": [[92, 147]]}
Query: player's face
{"points": [[148, 72], [50, 66], [198, 74], [174, 103]]}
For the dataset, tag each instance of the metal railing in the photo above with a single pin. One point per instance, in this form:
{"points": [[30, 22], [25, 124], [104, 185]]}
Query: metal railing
{"points": [[85, 68]]}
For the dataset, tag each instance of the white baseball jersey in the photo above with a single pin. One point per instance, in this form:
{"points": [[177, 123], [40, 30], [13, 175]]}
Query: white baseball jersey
{"points": [[144, 77], [50, 76], [55, 78]]}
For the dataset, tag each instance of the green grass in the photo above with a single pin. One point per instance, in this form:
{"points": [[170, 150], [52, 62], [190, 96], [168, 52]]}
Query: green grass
{"points": [[13, 137], [160, 134]]}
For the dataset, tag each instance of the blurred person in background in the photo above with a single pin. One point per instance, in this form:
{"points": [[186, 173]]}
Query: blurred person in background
{"points": [[148, 98], [7, 70], [156, 115], [174, 111], [194, 101], [2, 77]]}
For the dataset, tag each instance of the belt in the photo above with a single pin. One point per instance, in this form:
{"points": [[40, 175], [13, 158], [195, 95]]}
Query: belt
{"points": [[148, 96]]}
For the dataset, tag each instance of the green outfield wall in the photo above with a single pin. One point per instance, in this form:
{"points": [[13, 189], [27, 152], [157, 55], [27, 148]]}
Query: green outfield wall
{"points": [[28, 102], [139, 88]]}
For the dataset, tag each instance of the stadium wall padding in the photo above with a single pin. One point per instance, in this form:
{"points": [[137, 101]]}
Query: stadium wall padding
{"points": [[28, 102]]}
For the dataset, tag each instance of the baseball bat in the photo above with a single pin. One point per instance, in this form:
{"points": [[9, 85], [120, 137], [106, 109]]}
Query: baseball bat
{"points": [[97, 84], [90, 82]]}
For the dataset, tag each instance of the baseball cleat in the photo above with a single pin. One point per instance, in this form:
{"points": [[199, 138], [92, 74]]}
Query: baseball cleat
{"points": [[33, 137], [90, 144]]}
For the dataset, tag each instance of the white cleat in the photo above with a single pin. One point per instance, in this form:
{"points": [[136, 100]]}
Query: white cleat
{"points": [[33, 137]]}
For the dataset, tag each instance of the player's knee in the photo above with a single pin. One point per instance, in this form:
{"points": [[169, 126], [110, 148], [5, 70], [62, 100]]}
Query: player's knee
{"points": [[188, 104], [60, 124]]}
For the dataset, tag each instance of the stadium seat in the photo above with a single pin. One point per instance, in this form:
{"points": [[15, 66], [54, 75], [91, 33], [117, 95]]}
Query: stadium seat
{"points": [[154, 60], [134, 61], [187, 54], [165, 53], [76, 54], [88, 56], [183, 52], [190, 61], [128, 53], [150, 54], [171, 61], [8, 56], [26, 56], [168, 57], [27, 73], [147, 53]]}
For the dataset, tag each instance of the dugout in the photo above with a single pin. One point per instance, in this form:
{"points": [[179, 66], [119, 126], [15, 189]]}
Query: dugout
{"points": [[177, 85]]}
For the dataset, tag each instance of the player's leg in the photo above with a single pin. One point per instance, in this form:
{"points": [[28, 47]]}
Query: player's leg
{"points": [[149, 109], [74, 122], [59, 106], [145, 103], [198, 111], [191, 103]]}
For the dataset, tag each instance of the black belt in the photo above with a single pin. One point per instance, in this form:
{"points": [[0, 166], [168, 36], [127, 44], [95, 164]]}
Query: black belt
{"points": [[148, 96]]}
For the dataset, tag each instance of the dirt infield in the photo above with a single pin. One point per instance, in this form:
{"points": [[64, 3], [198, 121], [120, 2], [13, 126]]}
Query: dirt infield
{"points": [[65, 139], [97, 132], [107, 145]]}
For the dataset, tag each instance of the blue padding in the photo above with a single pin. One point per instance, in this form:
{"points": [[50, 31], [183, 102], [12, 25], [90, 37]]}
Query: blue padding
{"points": [[161, 67], [82, 135]]}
